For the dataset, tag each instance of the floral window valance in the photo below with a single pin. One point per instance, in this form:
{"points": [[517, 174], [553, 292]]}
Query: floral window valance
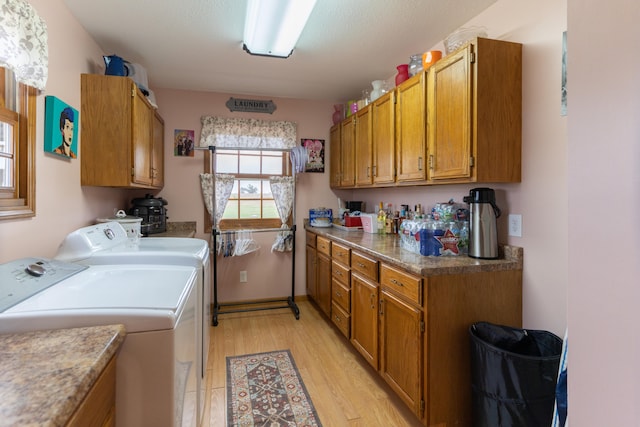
{"points": [[23, 43], [247, 133]]}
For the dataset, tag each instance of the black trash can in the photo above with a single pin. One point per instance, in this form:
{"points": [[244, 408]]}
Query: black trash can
{"points": [[513, 375]]}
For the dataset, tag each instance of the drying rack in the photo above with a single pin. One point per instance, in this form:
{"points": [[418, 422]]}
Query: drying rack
{"points": [[267, 304]]}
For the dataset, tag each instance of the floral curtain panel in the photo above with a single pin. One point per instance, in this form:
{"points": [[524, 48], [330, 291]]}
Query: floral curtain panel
{"points": [[23, 43], [282, 190], [247, 133], [221, 192]]}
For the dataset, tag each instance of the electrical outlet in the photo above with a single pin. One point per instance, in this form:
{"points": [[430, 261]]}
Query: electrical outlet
{"points": [[243, 276], [515, 225]]}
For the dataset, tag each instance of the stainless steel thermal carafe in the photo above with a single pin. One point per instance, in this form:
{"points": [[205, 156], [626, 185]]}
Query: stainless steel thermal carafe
{"points": [[483, 230]]}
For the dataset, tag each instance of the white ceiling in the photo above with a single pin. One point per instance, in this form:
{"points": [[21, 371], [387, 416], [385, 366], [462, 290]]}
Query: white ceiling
{"points": [[197, 44]]}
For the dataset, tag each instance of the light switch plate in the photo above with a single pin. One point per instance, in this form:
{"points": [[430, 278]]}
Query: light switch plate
{"points": [[515, 225], [243, 276]]}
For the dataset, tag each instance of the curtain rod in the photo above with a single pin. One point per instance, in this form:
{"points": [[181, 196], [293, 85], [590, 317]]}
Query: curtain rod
{"points": [[255, 230], [214, 148]]}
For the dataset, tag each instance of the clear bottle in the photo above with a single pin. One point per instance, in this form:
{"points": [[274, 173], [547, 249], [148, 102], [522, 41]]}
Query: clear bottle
{"points": [[382, 219], [415, 64]]}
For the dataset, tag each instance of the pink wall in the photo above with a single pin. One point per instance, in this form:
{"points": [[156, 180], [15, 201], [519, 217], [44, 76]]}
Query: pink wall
{"points": [[603, 171]]}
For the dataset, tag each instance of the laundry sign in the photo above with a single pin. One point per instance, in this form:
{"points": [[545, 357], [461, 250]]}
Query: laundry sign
{"points": [[251, 105]]}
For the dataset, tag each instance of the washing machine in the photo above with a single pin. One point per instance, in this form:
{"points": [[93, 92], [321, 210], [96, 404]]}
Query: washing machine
{"points": [[108, 243], [156, 371]]}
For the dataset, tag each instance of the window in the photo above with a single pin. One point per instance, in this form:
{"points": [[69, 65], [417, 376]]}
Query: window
{"points": [[251, 203], [17, 147]]}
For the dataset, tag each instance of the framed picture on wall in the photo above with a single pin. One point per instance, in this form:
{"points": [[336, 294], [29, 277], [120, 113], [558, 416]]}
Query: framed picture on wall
{"points": [[61, 124], [315, 155], [183, 142]]}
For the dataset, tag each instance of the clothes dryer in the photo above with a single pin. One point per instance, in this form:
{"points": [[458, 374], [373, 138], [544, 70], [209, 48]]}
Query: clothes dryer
{"points": [[107, 243]]}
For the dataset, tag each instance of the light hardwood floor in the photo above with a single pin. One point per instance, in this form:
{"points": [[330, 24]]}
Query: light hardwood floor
{"points": [[344, 389]]}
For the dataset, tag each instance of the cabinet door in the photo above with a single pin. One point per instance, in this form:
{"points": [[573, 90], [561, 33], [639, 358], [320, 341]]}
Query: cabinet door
{"points": [[311, 272], [363, 155], [450, 117], [364, 318], [401, 349], [383, 139], [158, 151], [323, 283], [142, 139], [348, 176], [335, 159], [411, 144]]}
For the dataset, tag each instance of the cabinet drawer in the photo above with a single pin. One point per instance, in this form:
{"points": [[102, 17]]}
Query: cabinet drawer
{"points": [[365, 265], [311, 239], [341, 296], [341, 319], [341, 273], [401, 283], [340, 253], [323, 245]]}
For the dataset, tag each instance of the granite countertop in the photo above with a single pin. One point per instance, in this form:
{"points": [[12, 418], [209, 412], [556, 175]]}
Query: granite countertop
{"points": [[45, 375], [178, 229], [386, 248]]}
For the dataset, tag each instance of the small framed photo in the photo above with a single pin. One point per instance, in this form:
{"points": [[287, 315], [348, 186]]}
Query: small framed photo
{"points": [[183, 142], [315, 155], [61, 124]]}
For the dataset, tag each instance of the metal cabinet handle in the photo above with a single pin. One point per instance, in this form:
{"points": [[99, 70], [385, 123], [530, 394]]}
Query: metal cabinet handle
{"points": [[338, 294], [419, 163], [395, 282], [361, 265]]}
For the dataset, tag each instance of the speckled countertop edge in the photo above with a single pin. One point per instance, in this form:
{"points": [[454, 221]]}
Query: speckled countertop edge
{"points": [[387, 248], [45, 375], [178, 229]]}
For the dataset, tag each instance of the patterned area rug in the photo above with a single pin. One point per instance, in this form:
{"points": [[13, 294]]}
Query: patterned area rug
{"points": [[265, 389]]}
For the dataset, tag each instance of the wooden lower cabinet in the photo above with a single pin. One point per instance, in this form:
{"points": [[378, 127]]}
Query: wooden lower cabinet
{"points": [[323, 283], [99, 405], [452, 304], [311, 272], [364, 317], [401, 332], [414, 330]]}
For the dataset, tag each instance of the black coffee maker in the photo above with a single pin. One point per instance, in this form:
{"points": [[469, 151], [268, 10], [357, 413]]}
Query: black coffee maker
{"points": [[153, 213]]}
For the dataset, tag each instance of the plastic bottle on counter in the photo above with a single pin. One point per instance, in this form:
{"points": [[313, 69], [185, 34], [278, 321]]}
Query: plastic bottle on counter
{"points": [[382, 217]]}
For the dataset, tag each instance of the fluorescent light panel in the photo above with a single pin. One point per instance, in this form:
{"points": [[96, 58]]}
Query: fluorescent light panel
{"points": [[273, 27]]}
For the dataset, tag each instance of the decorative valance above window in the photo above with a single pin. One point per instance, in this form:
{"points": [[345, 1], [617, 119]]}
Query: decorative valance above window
{"points": [[23, 43], [247, 133]]}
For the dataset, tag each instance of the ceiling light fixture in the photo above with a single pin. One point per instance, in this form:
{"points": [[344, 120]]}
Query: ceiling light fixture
{"points": [[272, 27]]}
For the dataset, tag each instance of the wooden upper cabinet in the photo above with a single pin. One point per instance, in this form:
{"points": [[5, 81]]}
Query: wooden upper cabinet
{"points": [[475, 114], [348, 134], [383, 139], [335, 153], [142, 140], [363, 153], [411, 145], [157, 162], [122, 144]]}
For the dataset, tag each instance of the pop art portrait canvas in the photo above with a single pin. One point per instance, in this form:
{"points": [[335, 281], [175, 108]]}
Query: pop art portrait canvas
{"points": [[315, 155], [61, 124]]}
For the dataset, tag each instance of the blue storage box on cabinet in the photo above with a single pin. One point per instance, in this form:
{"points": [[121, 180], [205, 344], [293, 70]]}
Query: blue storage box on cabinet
{"points": [[320, 217]]}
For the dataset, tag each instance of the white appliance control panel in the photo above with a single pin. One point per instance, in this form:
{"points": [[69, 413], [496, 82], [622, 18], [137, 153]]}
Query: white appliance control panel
{"points": [[83, 242], [25, 277]]}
